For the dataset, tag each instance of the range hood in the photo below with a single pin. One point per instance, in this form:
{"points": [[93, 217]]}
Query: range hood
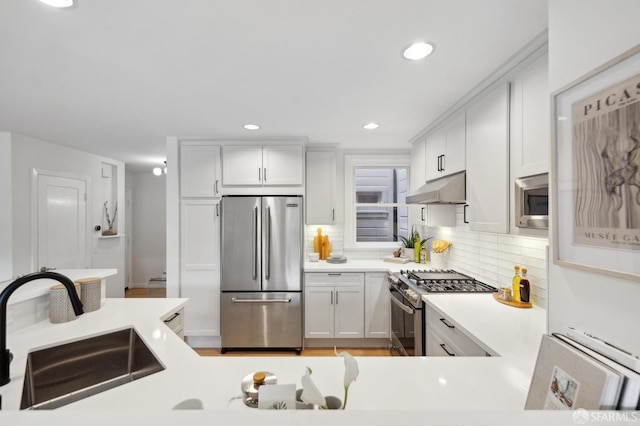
{"points": [[446, 190]]}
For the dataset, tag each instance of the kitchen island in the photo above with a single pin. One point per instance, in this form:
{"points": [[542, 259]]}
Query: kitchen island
{"points": [[391, 386]]}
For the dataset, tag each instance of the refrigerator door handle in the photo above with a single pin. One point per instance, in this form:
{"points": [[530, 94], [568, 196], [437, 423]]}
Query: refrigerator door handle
{"points": [[254, 252], [237, 300], [267, 251]]}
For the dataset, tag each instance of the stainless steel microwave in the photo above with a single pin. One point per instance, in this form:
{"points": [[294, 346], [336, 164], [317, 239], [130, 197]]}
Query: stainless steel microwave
{"points": [[532, 201]]}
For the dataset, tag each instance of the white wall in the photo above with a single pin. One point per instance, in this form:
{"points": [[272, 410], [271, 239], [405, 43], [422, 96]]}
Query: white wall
{"points": [[28, 153], [149, 250], [584, 34], [6, 240]]}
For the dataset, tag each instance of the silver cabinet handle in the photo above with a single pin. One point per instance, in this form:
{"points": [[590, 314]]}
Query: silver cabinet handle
{"points": [[402, 306], [333, 215], [215, 187], [337, 293], [331, 303], [264, 174], [259, 176], [334, 274], [237, 300], [444, 348], [217, 210], [254, 252], [268, 243], [445, 322]]}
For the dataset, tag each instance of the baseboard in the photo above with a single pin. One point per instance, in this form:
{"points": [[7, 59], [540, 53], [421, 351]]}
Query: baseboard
{"points": [[138, 285], [203, 341]]}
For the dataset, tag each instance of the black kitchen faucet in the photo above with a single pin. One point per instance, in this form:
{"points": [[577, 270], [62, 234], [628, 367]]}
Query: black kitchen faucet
{"points": [[5, 354]]}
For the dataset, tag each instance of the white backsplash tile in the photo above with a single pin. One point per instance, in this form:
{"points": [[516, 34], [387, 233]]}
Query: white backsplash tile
{"points": [[486, 256]]}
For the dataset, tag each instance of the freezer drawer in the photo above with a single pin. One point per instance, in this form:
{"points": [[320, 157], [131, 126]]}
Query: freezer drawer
{"points": [[261, 320]]}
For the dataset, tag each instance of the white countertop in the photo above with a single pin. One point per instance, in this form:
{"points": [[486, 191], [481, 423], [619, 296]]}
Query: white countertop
{"points": [[360, 265], [384, 383], [478, 385], [41, 287]]}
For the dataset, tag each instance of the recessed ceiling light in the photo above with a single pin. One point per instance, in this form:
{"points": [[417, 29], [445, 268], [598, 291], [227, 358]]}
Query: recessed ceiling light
{"points": [[417, 51], [58, 3], [251, 126], [371, 126]]}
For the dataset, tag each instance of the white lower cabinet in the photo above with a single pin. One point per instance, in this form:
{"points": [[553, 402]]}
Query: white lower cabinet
{"points": [[334, 305], [175, 321], [444, 338], [376, 305], [200, 266]]}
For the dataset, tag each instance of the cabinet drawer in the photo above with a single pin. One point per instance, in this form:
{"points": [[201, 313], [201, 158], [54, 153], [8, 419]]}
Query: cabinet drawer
{"points": [[334, 278], [175, 321], [453, 336]]}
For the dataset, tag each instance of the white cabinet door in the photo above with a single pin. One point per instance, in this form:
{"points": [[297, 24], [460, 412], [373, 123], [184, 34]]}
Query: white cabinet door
{"points": [[199, 170], [487, 207], [418, 159], [455, 145], [200, 266], [318, 312], [418, 177], [445, 153], [257, 165], [242, 165], [349, 311], [321, 188], [376, 305], [530, 120], [435, 148], [282, 165]]}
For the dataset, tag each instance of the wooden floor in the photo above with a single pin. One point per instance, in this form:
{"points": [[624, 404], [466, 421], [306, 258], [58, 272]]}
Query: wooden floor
{"points": [[145, 292], [161, 292], [305, 352]]}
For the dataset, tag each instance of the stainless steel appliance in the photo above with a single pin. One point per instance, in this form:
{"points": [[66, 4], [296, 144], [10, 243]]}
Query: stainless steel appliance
{"points": [[261, 285], [406, 289], [532, 202]]}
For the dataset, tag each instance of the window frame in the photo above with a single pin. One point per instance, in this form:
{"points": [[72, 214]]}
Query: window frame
{"points": [[351, 162]]}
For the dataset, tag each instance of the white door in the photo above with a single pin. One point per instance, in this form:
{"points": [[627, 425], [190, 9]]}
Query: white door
{"points": [[62, 223]]}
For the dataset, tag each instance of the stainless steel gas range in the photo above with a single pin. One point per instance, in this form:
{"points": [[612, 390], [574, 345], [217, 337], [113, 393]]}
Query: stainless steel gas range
{"points": [[406, 289]]}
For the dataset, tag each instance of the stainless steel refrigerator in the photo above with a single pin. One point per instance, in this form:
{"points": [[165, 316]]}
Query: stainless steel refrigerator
{"points": [[261, 285]]}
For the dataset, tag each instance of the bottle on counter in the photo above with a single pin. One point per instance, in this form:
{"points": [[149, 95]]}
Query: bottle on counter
{"points": [[515, 285], [423, 255], [525, 287]]}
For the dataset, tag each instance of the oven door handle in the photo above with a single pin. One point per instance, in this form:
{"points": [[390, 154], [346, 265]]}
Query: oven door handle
{"points": [[402, 306]]}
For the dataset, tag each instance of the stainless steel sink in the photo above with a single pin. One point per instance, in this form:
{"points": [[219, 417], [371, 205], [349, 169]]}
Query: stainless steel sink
{"points": [[69, 372]]}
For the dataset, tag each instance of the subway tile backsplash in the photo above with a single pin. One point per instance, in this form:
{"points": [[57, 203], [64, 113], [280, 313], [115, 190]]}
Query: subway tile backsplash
{"points": [[488, 257]]}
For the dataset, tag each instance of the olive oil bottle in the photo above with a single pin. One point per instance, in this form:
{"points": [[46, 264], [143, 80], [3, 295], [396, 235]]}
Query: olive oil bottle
{"points": [[515, 285]]}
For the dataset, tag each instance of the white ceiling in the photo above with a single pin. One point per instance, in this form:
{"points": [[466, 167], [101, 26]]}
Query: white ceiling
{"points": [[115, 77]]}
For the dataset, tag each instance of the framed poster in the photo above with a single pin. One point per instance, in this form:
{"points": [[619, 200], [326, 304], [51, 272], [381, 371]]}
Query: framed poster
{"points": [[596, 169]]}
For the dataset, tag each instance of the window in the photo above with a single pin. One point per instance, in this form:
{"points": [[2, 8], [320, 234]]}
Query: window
{"points": [[375, 192]]}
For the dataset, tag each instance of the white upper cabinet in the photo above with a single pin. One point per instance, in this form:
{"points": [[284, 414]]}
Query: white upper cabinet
{"points": [[530, 120], [321, 188], [487, 207], [268, 165], [418, 171], [199, 170], [445, 149], [282, 165]]}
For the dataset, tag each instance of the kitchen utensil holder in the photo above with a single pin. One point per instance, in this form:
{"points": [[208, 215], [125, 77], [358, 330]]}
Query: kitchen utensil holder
{"points": [[60, 308], [439, 260], [91, 293]]}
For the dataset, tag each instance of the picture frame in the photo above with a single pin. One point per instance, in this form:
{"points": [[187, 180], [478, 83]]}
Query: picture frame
{"points": [[595, 169]]}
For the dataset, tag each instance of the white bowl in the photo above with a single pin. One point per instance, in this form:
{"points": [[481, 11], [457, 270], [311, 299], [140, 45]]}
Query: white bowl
{"points": [[313, 257]]}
